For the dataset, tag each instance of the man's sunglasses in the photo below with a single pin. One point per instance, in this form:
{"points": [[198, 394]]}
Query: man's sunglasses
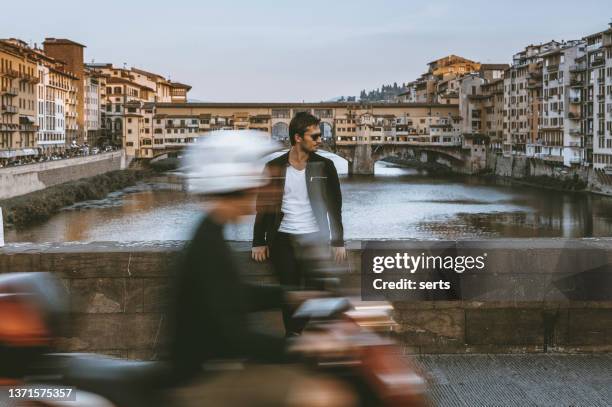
{"points": [[315, 137]]}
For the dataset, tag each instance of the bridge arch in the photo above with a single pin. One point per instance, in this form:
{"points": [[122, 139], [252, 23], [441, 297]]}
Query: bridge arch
{"points": [[327, 131], [420, 153], [280, 132]]}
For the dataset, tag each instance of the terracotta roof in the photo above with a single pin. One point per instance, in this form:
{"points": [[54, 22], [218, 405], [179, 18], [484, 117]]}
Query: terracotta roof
{"points": [[114, 79], [490, 67], [179, 85], [61, 41], [453, 56], [141, 71]]}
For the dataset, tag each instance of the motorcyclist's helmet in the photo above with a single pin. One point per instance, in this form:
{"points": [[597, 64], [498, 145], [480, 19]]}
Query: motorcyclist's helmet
{"points": [[227, 161]]}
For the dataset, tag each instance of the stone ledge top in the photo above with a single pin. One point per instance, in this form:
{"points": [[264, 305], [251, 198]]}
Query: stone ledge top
{"points": [[599, 243]]}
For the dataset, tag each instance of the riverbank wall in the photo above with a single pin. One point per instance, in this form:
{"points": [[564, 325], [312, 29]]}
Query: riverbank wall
{"points": [[118, 293], [524, 170], [538, 172], [23, 179], [38, 206]]}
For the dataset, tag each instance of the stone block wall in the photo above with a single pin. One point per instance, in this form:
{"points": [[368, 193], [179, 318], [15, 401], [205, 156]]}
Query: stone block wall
{"points": [[118, 294], [20, 180]]}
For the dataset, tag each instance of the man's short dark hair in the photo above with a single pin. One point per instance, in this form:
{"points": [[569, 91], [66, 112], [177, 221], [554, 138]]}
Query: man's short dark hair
{"points": [[300, 123]]}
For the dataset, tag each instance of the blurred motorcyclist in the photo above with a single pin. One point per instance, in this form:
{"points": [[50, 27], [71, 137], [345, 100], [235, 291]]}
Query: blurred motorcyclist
{"points": [[212, 300]]}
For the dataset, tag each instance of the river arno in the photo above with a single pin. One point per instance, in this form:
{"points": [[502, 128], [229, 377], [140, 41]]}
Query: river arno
{"points": [[397, 203]]}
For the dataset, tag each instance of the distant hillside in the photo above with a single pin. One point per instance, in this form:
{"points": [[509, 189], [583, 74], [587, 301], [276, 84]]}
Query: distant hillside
{"points": [[342, 99], [386, 93]]}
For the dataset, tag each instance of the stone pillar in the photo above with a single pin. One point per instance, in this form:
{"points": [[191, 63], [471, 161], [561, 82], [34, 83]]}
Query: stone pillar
{"points": [[362, 162]]}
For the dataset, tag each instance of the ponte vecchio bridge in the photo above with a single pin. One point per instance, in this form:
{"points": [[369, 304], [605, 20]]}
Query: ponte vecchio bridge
{"points": [[360, 133]]}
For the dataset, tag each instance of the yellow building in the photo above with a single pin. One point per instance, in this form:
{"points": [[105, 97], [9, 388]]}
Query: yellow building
{"points": [[18, 79], [177, 124], [126, 104], [452, 65]]}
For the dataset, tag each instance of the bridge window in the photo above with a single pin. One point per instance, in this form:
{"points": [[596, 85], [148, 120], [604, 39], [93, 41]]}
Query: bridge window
{"points": [[280, 113]]}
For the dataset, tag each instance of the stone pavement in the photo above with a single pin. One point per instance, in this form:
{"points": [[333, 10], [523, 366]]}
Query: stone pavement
{"points": [[554, 380]]}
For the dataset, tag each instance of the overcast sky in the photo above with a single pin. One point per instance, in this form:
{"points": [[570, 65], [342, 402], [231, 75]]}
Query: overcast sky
{"points": [[292, 51]]}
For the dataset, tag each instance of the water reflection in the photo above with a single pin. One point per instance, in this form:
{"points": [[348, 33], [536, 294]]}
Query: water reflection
{"points": [[396, 203]]}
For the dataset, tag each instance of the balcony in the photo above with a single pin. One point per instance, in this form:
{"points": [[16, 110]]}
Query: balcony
{"points": [[29, 78], [576, 82], [553, 68], [601, 79], [9, 91], [575, 160], [28, 127], [11, 73], [573, 144], [8, 127], [575, 132], [9, 109], [574, 99], [598, 60], [601, 97], [551, 158], [536, 74], [574, 116], [577, 68]]}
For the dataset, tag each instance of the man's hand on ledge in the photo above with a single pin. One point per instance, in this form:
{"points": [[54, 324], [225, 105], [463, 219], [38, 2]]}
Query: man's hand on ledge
{"points": [[339, 253], [260, 253]]}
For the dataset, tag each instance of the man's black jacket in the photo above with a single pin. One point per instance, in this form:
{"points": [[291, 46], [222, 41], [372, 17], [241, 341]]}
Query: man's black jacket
{"points": [[211, 305], [323, 191]]}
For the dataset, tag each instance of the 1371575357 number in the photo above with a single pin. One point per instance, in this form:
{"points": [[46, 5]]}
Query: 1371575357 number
{"points": [[38, 393]]}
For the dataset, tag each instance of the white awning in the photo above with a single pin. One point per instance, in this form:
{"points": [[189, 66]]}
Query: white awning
{"points": [[20, 152]]}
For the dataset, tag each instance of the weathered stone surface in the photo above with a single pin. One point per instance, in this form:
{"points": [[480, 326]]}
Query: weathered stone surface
{"points": [[424, 327], [118, 292], [156, 294], [22, 262], [134, 294], [413, 305], [98, 295], [504, 327], [142, 264], [92, 332], [95, 331], [590, 327], [87, 265]]}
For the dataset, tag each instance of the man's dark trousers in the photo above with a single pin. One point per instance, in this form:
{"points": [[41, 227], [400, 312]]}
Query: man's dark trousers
{"points": [[292, 270]]}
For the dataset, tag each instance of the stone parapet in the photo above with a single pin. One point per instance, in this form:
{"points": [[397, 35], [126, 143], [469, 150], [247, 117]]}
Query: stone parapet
{"points": [[118, 293]]}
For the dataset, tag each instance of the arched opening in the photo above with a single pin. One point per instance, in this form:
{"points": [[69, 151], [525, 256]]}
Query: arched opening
{"points": [[280, 132], [326, 131]]}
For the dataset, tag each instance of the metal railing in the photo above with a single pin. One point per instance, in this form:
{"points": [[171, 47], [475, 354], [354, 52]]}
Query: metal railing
{"points": [[9, 91], [9, 109], [577, 68]]}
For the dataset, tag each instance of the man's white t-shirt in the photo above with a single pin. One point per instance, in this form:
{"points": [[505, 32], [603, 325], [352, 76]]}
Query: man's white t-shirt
{"points": [[298, 215]]}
